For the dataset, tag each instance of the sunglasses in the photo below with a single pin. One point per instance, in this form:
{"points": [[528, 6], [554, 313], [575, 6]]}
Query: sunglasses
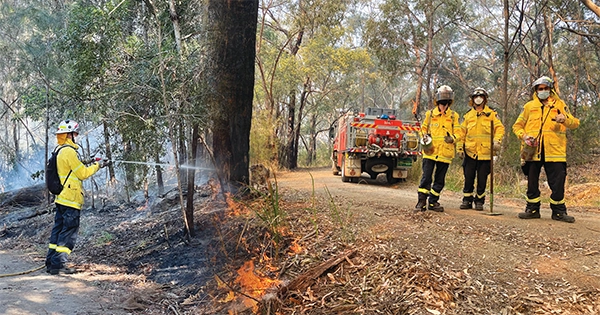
{"points": [[444, 102]]}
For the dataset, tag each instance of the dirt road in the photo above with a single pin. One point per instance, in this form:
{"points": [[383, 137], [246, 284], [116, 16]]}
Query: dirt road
{"points": [[40, 293]]}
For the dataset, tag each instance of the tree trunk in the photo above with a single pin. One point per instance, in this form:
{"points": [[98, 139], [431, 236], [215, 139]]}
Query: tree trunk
{"points": [[191, 176], [176, 28], [549, 30], [290, 146], [159, 175], [303, 100], [111, 168], [506, 56], [182, 149], [232, 36]]}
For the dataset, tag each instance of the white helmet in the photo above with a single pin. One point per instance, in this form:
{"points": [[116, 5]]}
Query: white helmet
{"points": [[545, 81], [67, 126], [479, 92], [444, 93]]}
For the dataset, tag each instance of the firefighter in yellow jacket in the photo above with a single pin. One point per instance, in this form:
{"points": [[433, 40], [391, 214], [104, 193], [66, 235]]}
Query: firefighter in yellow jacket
{"points": [[542, 126], [69, 202], [475, 147], [439, 135]]}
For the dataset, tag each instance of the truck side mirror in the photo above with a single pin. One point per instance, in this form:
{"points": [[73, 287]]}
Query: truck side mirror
{"points": [[331, 132]]}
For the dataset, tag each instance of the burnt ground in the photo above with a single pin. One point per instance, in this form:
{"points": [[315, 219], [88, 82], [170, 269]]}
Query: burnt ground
{"points": [[133, 258]]}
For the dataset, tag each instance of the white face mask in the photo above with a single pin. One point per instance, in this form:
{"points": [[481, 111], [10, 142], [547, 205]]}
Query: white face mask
{"points": [[478, 100], [543, 94]]}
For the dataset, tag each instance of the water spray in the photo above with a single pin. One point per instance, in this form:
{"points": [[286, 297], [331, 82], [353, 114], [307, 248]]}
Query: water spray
{"points": [[164, 164]]}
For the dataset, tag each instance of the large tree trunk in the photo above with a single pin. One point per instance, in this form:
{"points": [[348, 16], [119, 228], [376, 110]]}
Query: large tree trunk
{"points": [[233, 39]]}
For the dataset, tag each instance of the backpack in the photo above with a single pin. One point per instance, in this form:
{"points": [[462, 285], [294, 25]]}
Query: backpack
{"points": [[52, 179]]}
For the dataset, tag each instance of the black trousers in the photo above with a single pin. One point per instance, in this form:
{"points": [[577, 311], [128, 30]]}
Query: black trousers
{"points": [[63, 236], [556, 172], [433, 172], [475, 169]]}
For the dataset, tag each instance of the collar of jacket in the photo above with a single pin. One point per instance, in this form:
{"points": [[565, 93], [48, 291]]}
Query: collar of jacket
{"points": [[538, 102], [71, 143], [436, 111], [485, 111]]}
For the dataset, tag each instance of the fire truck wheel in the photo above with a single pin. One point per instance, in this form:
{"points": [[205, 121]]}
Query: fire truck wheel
{"points": [[344, 178], [334, 169], [390, 179]]}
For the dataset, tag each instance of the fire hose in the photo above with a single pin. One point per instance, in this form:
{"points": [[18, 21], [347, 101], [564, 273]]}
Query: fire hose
{"points": [[21, 272]]}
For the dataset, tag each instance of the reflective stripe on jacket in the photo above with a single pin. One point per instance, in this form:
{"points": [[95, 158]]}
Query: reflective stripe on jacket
{"points": [[475, 132], [438, 125], [68, 161], [536, 118]]}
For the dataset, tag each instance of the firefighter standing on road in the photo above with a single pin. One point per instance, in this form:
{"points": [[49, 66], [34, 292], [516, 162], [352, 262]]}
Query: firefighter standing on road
{"points": [[439, 127], [474, 147], [542, 126], [69, 202]]}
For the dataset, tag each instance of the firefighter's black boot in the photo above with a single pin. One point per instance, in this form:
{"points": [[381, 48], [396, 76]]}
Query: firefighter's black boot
{"points": [[435, 206], [467, 203], [532, 211], [421, 205], [479, 203], [559, 213]]}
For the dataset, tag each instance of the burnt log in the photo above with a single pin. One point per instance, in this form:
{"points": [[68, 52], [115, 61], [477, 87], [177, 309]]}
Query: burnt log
{"points": [[31, 196]]}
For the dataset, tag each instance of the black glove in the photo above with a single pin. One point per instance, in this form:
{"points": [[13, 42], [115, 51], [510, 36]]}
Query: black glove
{"points": [[448, 139], [105, 163], [89, 161]]}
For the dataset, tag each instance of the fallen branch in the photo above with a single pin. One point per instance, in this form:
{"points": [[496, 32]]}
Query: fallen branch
{"points": [[304, 280]]}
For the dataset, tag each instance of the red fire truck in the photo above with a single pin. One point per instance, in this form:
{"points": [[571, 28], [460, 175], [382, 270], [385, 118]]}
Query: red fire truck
{"points": [[374, 142]]}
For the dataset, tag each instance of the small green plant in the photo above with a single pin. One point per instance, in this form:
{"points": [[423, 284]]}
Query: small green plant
{"points": [[270, 211], [313, 208], [105, 238], [340, 217]]}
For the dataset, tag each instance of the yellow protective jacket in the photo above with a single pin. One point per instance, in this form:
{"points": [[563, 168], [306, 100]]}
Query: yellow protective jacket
{"points": [[537, 121], [475, 133], [438, 125], [68, 161]]}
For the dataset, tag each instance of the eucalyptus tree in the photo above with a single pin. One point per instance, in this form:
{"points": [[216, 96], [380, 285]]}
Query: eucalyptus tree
{"points": [[412, 40], [284, 83], [30, 73]]}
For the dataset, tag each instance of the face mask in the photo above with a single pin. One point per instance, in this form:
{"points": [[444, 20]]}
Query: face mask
{"points": [[543, 94], [478, 100]]}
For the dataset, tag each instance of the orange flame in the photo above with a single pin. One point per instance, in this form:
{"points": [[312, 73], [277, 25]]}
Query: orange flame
{"points": [[295, 248], [234, 208], [253, 284]]}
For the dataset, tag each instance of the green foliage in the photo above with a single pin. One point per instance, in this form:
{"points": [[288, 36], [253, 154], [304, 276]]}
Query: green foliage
{"points": [[87, 44], [105, 238], [584, 140], [340, 216], [270, 211]]}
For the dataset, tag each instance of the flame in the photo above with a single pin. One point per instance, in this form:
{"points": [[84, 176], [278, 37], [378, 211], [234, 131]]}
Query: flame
{"points": [[143, 207], [295, 248], [235, 208], [253, 284]]}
